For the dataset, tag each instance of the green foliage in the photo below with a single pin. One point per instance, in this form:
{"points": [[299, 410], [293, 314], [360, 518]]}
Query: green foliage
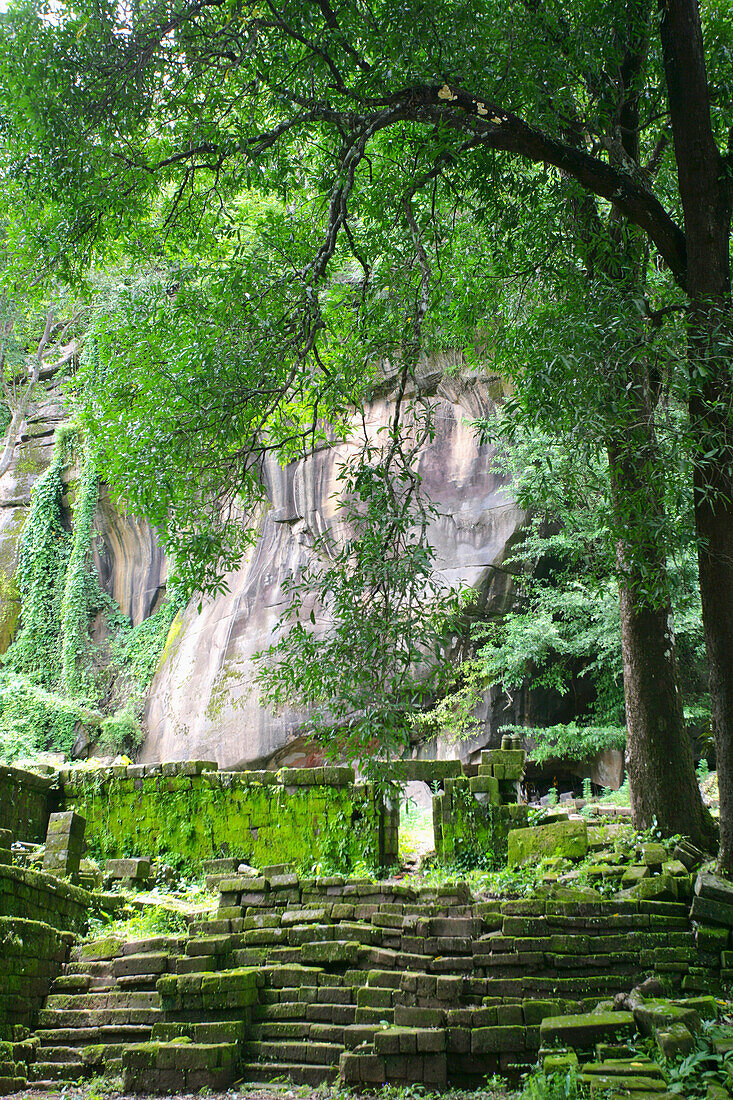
{"points": [[561, 1085], [387, 621], [54, 681], [694, 1074], [376, 147], [45, 548], [573, 742], [33, 719], [151, 920], [621, 797]]}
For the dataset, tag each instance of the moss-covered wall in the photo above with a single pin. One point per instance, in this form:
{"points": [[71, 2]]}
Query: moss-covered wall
{"points": [[473, 815], [31, 956], [36, 896], [189, 812], [26, 801]]}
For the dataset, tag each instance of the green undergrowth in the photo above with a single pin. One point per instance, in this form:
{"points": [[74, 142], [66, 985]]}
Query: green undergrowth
{"points": [[416, 831], [621, 797], [152, 920], [76, 668], [697, 1074], [533, 880], [553, 1086], [493, 1087], [156, 912]]}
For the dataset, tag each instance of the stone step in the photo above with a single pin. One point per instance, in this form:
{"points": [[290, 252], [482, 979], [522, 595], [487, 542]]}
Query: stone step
{"points": [[166, 944], [90, 1036], [287, 1010], [71, 983], [331, 1014], [277, 1030], [103, 999], [94, 969], [384, 979], [327, 1033], [179, 1067], [292, 1052], [58, 1071], [454, 926], [144, 983], [96, 951], [62, 1054], [211, 1031], [91, 1056], [102, 1017], [41, 1087], [374, 1015], [147, 964], [296, 1072]]}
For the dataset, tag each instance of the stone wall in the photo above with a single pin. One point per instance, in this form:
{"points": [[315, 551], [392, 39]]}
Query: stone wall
{"points": [[31, 956], [26, 801], [192, 812], [34, 896], [473, 815]]}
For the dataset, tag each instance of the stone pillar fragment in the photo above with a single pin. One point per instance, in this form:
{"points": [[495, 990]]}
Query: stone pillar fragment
{"points": [[64, 844]]}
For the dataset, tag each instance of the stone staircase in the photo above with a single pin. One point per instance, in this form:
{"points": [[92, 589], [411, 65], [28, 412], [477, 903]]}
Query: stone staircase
{"points": [[369, 982], [105, 1000]]}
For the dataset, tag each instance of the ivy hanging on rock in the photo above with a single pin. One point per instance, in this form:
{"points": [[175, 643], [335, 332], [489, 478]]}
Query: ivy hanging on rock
{"points": [[59, 688]]}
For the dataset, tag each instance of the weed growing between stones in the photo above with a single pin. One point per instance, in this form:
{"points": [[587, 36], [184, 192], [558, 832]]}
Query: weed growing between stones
{"points": [[562, 1085]]}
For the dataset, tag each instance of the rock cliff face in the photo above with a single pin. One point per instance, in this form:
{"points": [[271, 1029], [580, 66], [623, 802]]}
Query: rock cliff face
{"points": [[128, 559], [202, 703]]}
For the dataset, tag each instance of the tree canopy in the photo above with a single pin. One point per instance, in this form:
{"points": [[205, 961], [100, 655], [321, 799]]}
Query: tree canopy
{"points": [[304, 185]]}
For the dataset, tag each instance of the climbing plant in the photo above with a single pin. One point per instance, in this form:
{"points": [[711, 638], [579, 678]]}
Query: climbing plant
{"points": [[56, 683]]}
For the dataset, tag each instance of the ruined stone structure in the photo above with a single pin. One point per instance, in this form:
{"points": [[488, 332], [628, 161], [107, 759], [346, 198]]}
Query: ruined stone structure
{"points": [[371, 981]]}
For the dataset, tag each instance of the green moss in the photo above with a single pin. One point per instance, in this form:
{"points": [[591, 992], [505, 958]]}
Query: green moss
{"points": [[316, 828], [472, 833]]}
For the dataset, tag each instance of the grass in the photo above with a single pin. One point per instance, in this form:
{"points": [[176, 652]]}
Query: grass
{"points": [[416, 831]]}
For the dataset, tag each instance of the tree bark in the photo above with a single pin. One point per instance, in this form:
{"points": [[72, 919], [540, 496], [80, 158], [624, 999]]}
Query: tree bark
{"points": [[706, 201], [659, 754]]}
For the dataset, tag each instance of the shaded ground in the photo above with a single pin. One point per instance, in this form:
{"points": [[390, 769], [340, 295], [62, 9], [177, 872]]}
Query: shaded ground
{"points": [[105, 1089]]}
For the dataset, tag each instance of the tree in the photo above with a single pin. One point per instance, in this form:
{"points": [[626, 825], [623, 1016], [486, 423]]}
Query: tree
{"points": [[154, 120]]}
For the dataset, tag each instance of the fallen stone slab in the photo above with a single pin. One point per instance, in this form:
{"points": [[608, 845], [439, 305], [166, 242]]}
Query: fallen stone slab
{"points": [[714, 888], [566, 839], [584, 1031]]}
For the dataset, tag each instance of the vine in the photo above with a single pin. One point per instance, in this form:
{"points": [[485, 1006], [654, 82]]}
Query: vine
{"points": [[80, 587], [55, 682]]}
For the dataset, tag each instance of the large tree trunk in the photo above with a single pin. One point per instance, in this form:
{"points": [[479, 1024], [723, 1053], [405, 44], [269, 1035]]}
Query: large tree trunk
{"points": [[705, 193], [715, 554], [659, 753]]}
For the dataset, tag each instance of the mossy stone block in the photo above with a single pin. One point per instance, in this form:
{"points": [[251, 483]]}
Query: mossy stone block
{"points": [[498, 1040], [560, 1062], [537, 1011], [568, 839], [656, 888], [674, 1040], [659, 1013], [583, 1032]]}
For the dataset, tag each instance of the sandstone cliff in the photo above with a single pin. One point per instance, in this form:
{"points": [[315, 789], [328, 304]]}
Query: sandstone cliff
{"points": [[202, 702]]}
